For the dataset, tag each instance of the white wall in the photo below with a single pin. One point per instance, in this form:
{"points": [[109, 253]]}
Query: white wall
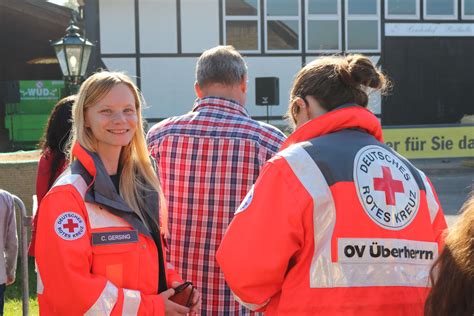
{"points": [[125, 65], [284, 68], [199, 25], [168, 85], [117, 26], [158, 28]]}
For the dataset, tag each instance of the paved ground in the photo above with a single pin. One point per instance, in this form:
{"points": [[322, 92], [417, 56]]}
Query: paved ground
{"points": [[453, 181]]}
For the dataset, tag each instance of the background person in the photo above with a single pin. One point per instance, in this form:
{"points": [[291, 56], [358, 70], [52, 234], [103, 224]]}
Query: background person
{"points": [[337, 223], [53, 154], [99, 239], [53, 146], [8, 243], [208, 159], [452, 275]]}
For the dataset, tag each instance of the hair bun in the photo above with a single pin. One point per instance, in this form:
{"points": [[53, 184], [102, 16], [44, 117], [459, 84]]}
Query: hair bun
{"points": [[355, 70], [345, 74]]}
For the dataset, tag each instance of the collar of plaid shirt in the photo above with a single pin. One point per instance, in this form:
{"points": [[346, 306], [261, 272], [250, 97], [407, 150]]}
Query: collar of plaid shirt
{"points": [[220, 103]]}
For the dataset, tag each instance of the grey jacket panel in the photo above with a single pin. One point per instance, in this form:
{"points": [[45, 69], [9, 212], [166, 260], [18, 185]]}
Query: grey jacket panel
{"points": [[335, 153], [8, 237], [103, 192]]}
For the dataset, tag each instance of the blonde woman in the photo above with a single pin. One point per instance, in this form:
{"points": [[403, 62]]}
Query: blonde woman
{"points": [[100, 244]]}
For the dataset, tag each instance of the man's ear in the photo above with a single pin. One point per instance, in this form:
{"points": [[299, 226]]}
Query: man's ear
{"points": [[243, 84], [198, 90]]}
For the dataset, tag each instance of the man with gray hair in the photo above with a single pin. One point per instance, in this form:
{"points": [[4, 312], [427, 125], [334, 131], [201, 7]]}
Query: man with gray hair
{"points": [[208, 159]]}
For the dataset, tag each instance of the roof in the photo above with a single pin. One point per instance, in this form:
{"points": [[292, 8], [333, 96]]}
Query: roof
{"points": [[26, 28]]}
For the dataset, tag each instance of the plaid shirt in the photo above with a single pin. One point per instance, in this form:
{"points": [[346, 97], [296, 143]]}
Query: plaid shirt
{"points": [[208, 160]]}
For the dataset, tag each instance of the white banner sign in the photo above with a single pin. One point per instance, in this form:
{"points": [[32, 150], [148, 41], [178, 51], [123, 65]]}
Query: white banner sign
{"points": [[429, 29]]}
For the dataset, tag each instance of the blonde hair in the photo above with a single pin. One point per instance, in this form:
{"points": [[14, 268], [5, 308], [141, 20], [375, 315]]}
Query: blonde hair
{"points": [[452, 275], [137, 170]]}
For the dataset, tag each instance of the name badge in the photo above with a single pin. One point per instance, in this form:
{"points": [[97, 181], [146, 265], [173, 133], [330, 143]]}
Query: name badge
{"points": [[115, 237]]}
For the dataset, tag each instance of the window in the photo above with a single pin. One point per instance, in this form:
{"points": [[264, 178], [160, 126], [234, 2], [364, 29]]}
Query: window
{"points": [[241, 24], [440, 9], [282, 25], [402, 9], [322, 6], [363, 25], [323, 26], [468, 9], [362, 6]]}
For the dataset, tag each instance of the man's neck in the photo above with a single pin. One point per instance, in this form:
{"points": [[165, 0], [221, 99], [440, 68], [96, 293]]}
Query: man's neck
{"points": [[232, 93]]}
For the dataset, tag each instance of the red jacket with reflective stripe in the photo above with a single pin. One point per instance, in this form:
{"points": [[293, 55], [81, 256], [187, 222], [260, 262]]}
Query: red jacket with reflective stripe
{"points": [[336, 224], [43, 184], [94, 255]]}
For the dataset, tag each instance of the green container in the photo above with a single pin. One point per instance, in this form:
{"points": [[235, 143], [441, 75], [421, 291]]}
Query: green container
{"points": [[26, 120]]}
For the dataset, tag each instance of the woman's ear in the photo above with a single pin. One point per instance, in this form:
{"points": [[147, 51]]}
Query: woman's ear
{"points": [[300, 103]]}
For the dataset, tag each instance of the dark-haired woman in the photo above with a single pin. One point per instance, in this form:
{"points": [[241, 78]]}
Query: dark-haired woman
{"points": [[337, 223], [452, 274], [53, 158]]}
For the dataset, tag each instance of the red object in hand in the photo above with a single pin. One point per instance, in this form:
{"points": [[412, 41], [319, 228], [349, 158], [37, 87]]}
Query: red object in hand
{"points": [[183, 294]]}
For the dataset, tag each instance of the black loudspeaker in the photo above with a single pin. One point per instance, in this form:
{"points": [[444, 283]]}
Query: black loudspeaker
{"points": [[10, 91], [267, 91]]}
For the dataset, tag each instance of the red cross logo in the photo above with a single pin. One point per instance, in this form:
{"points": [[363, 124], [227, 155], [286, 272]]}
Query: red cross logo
{"points": [[70, 225], [389, 185]]}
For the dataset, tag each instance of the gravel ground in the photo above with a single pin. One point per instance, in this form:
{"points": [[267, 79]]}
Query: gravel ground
{"points": [[20, 156]]}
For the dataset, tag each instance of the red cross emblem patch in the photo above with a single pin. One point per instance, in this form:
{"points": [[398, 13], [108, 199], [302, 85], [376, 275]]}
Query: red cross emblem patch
{"points": [[386, 187], [70, 226], [246, 202]]}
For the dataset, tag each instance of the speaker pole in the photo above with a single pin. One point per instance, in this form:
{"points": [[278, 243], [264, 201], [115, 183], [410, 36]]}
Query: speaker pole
{"points": [[268, 115]]}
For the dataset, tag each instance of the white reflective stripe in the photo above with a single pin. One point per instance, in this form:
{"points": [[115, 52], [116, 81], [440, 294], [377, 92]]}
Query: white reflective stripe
{"points": [[386, 250], [252, 307], [73, 179], [131, 302], [106, 301], [324, 213], [101, 218], [39, 281], [327, 274], [433, 206], [384, 262]]}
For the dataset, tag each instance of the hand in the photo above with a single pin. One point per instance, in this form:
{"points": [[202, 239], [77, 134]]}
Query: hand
{"points": [[172, 309], [196, 306], [10, 280]]}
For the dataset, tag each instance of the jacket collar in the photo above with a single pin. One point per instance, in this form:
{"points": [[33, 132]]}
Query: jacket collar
{"points": [[344, 117], [223, 104], [102, 191]]}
